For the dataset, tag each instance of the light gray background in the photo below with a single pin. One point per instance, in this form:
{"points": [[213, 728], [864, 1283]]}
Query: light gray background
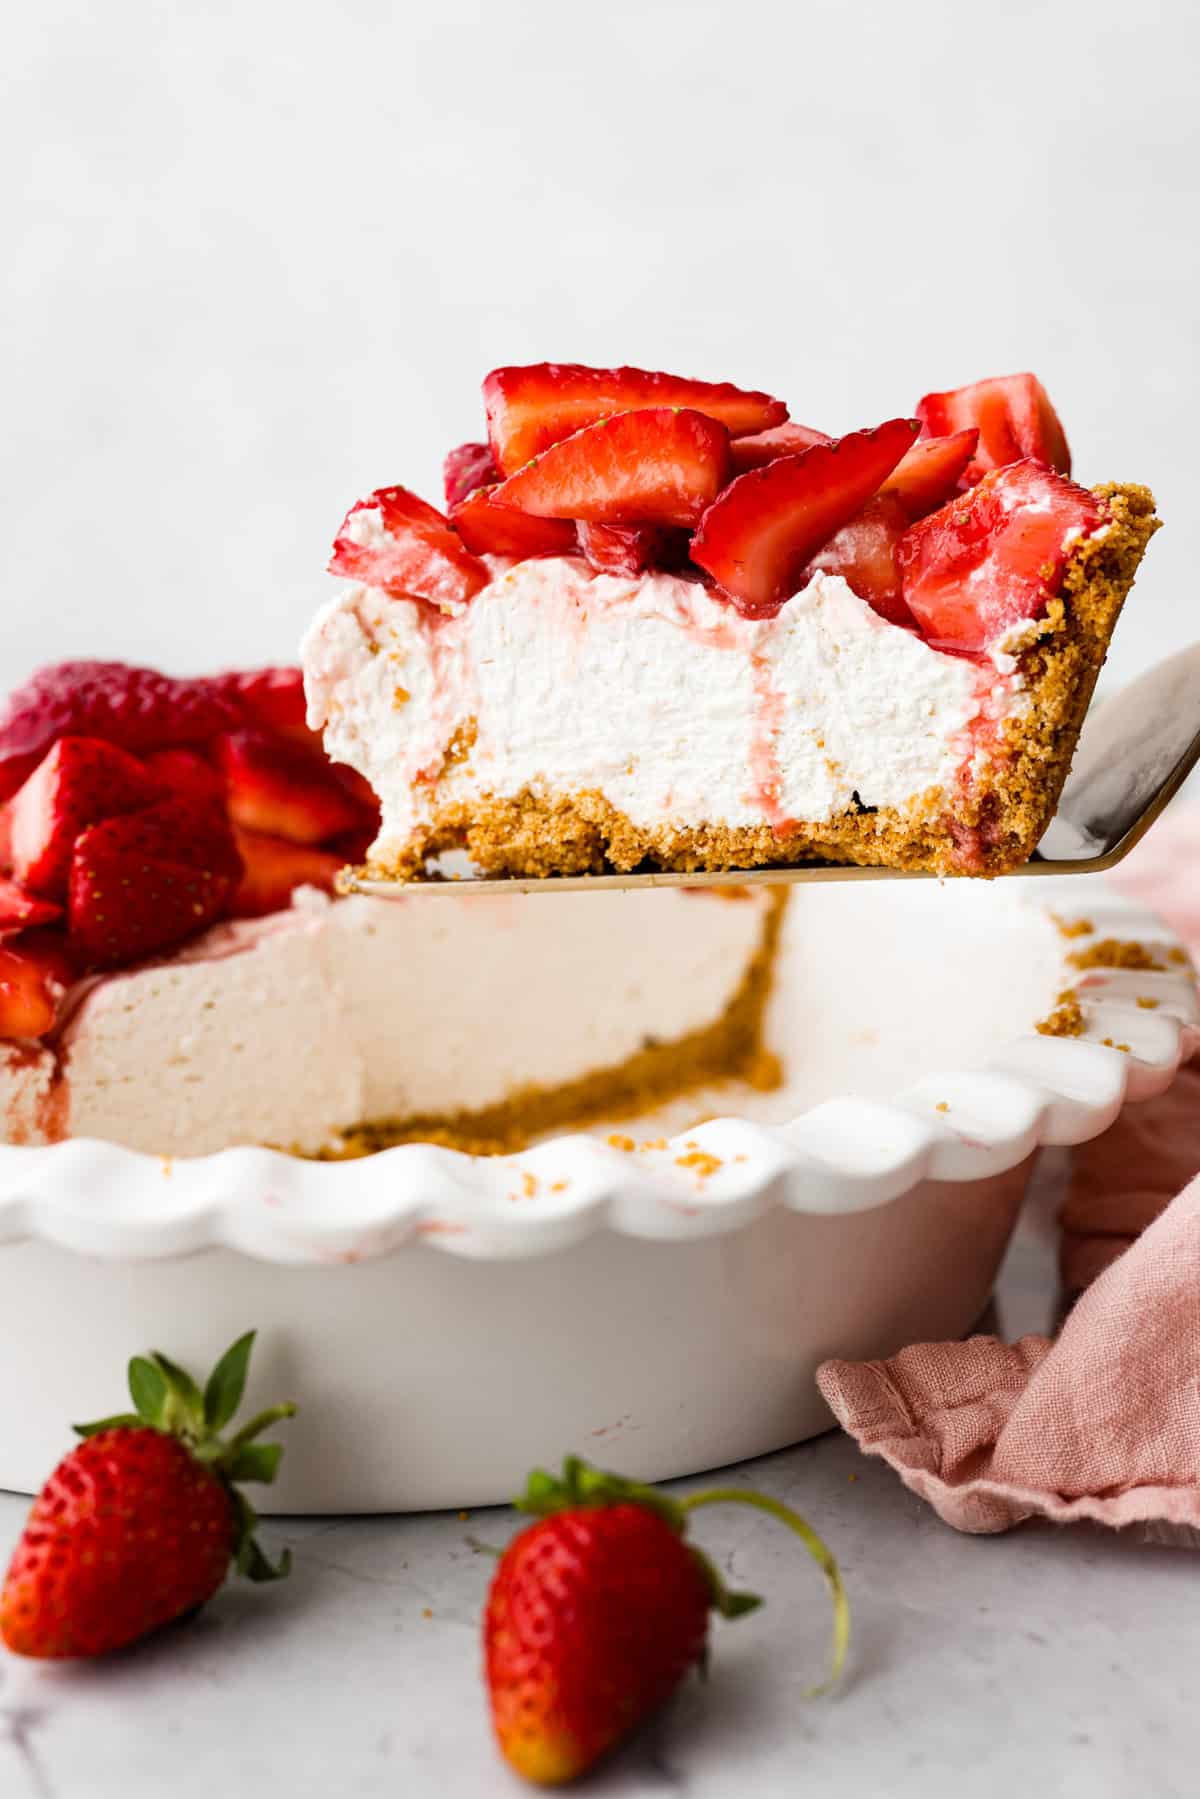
{"points": [[260, 256]]}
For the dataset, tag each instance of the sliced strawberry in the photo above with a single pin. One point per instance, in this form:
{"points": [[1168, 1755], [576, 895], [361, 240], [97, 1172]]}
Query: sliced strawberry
{"points": [[528, 409], [866, 553], [183, 775], [5, 839], [499, 531], [633, 549], [147, 882], [362, 793], [278, 788], [659, 466], [1014, 417], [995, 555], [767, 446], [80, 781], [274, 868], [135, 708], [758, 538], [19, 909], [469, 467], [28, 999], [272, 699], [394, 540], [931, 471], [176, 830]]}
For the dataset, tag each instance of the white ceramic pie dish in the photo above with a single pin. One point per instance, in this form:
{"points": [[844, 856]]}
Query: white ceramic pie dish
{"points": [[447, 1322]]}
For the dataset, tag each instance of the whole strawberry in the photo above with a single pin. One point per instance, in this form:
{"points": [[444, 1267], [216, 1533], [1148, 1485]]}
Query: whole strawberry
{"points": [[139, 1523], [597, 1612]]}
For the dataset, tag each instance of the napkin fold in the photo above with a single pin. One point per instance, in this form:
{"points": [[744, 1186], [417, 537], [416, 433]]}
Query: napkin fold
{"points": [[1104, 1421]]}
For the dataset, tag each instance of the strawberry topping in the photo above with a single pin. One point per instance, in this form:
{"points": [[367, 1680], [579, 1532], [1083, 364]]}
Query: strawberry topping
{"points": [[19, 909], [184, 775], [274, 786], [136, 708], [758, 538], [396, 541], [767, 446], [146, 882], [528, 409], [499, 531], [79, 782], [469, 467], [28, 994], [931, 471], [271, 699], [994, 556], [659, 466], [273, 869], [1014, 418], [633, 549], [866, 553], [142, 849]]}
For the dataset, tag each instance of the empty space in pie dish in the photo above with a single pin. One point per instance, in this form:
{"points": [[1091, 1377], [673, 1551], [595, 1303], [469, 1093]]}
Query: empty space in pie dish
{"points": [[879, 984]]}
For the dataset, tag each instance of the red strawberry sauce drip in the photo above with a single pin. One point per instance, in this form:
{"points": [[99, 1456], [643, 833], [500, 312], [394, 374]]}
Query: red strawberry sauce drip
{"points": [[765, 771]]}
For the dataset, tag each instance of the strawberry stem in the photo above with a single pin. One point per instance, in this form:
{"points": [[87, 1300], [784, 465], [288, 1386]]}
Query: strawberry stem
{"points": [[262, 1421], [819, 1551]]}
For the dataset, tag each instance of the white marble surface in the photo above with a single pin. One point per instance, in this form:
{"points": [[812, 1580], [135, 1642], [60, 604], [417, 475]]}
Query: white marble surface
{"points": [[1057, 1662]]}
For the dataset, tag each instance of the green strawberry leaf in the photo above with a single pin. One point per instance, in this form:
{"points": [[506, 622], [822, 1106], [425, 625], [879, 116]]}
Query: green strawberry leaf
{"points": [[256, 1461], [148, 1390], [227, 1383], [255, 1565], [115, 1422], [184, 1403]]}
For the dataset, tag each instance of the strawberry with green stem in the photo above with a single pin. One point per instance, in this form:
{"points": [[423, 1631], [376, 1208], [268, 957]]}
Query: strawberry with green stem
{"points": [[598, 1610], [139, 1524]]}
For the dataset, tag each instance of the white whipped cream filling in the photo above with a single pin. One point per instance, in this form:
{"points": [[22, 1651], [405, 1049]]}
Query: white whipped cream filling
{"points": [[649, 689], [288, 1029]]}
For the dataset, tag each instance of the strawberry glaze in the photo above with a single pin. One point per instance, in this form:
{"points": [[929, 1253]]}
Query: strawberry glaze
{"points": [[766, 773]]}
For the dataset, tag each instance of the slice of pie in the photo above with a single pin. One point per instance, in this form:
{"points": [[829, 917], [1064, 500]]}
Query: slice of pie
{"points": [[176, 976], [663, 626]]}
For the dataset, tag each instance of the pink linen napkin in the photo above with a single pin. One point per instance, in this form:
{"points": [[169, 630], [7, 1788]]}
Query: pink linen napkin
{"points": [[1104, 1422]]}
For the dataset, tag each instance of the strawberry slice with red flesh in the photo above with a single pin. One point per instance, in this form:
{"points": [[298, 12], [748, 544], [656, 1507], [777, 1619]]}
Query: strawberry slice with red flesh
{"points": [[758, 538], [149, 881], [80, 781], [633, 549], [931, 472], [1014, 418], [767, 446], [274, 868], [499, 531], [137, 709], [465, 470], [660, 466], [994, 556], [183, 775], [36, 968], [396, 541], [19, 909], [276, 787], [272, 699], [866, 553], [530, 408]]}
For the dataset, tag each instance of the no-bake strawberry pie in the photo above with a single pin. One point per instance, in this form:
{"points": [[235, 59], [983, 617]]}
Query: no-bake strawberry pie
{"points": [[176, 976], [662, 625]]}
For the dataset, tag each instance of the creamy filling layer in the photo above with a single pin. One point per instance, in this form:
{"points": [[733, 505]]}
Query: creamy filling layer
{"points": [[649, 690], [289, 1029]]}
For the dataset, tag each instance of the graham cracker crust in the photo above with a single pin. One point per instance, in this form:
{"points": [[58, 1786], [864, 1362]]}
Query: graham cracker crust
{"points": [[730, 1048], [991, 822]]}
